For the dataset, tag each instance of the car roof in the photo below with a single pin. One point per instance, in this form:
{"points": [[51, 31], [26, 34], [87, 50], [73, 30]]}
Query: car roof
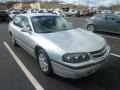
{"points": [[38, 14]]}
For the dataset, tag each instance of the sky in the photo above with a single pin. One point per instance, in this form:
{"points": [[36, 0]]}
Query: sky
{"points": [[96, 2], [86, 2]]}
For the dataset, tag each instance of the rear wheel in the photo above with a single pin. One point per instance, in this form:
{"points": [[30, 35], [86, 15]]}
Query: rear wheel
{"points": [[91, 28], [44, 62]]}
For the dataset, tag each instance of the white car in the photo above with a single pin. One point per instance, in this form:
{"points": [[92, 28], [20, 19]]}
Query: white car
{"points": [[58, 46], [117, 12], [57, 12]]}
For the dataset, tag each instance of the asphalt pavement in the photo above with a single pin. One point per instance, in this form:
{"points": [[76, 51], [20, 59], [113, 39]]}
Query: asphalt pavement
{"points": [[13, 78]]}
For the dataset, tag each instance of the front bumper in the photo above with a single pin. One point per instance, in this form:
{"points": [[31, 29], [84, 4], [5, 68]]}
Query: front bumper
{"points": [[81, 70], [76, 73]]}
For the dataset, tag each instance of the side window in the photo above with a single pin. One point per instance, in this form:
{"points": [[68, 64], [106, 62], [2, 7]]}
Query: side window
{"points": [[21, 21], [17, 21], [98, 18], [109, 17], [25, 22]]}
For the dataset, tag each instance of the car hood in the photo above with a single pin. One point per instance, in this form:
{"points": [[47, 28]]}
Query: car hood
{"points": [[75, 40]]}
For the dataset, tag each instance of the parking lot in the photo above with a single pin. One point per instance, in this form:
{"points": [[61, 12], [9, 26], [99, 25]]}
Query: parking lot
{"points": [[26, 74]]}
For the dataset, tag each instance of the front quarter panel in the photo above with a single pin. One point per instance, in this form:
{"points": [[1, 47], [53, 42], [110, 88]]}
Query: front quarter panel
{"points": [[54, 52]]}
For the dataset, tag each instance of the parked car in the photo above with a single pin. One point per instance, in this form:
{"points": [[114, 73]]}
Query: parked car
{"points": [[106, 22], [84, 13], [23, 11], [87, 13], [71, 13], [57, 12], [13, 13], [4, 17], [48, 38], [117, 12], [78, 13], [107, 12]]}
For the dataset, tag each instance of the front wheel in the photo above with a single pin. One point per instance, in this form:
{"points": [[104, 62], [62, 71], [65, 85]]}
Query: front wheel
{"points": [[13, 41], [91, 28], [44, 62]]}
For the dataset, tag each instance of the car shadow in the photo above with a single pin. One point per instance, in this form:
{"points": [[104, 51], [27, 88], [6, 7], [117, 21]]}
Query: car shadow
{"points": [[107, 78]]}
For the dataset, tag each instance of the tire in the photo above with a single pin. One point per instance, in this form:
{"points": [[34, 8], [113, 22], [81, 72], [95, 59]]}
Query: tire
{"points": [[91, 28], [13, 41], [44, 62]]}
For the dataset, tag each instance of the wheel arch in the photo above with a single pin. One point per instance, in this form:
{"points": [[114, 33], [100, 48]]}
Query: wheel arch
{"points": [[50, 69], [10, 33], [92, 25], [37, 47]]}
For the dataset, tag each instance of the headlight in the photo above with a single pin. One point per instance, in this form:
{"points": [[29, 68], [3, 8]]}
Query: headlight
{"points": [[75, 58]]}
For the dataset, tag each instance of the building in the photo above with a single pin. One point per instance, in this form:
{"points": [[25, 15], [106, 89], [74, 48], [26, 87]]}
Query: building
{"points": [[18, 6], [48, 6]]}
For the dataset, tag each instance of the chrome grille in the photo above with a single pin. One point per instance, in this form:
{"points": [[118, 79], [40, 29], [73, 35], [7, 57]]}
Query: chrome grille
{"points": [[98, 53]]}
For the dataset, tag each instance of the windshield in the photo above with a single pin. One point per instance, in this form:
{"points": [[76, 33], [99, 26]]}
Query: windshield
{"points": [[48, 24]]}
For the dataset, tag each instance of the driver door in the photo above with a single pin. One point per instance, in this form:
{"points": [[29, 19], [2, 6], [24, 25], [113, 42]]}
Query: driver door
{"points": [[26, 35], [117, 24], [111, 24]]}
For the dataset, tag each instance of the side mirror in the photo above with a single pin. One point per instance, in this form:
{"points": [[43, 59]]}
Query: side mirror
{"points": [[26, 29]]}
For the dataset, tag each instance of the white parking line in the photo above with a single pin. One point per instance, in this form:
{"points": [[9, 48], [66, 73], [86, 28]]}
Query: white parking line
{"points": [[115, 55], [31, 78], [110, 37]]}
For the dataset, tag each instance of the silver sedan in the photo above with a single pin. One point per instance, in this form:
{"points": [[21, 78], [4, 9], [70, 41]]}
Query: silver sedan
{"points": [[58, 46]]}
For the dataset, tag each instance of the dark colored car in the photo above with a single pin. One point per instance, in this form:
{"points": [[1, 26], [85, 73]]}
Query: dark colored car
{"points": [[105, 22], [4, 17], [50, 11], [77, 14], [87, 13], [84, 13]]}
